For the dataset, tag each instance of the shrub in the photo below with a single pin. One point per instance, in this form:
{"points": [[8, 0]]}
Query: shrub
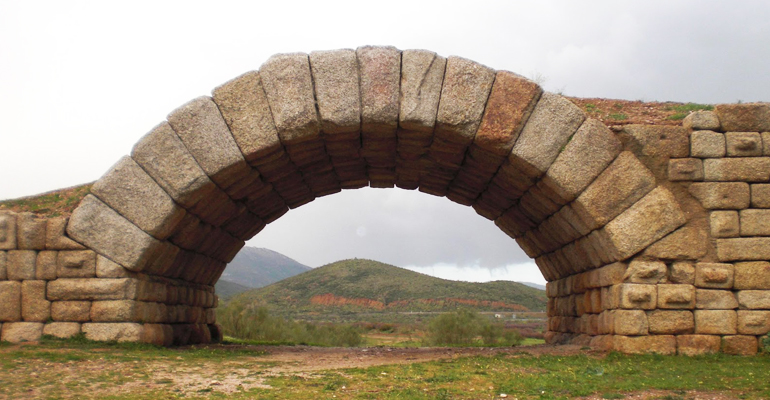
{"points": [[765, 343], [465, 328]]}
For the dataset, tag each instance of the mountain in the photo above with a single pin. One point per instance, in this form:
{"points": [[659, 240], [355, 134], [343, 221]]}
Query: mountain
{"points": [[533, 285], [226, 289], [255, 267], [365, 285]]}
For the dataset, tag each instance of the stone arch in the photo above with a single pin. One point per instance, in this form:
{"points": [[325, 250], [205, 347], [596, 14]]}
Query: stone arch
{"points": [[609, 226]]}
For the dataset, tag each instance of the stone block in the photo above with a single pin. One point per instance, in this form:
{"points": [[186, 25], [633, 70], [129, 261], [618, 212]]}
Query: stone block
{"points": [[624, 182], [630, 322], [645, 272], [752, 169], [701, 120], [693, 345], [34, 306], [665, 322], [62, 330], [715, 299], [685, 169], [547, 131], [244, 107], [76, 264], [754, 222], [380, 69], [18, 332], [754, 299], [56, 237], [676, 296], [7, 230], [752, 275], [760, 194], [106, 268], [714, 275], [75, 311], [686, 243], [740, 345], [743, 249], [158, 334], [105, 231], [127, 189], [724, 224], [422, 74], [660, 142], [609, 274], [3, 265], [109, 332], [743, 144], [638, 296], [335, 79], [45, 265], [10, 298], [707, 144], [744, 117], [508, 108], [657, 344], [753, 322], [649, 219], [21, 264], [92, 289], [716, 322], [30, 232], [721, 195], [116, 311], [682, 272]]}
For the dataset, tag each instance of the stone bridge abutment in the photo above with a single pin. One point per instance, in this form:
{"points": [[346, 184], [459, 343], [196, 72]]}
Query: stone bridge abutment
{"points": [[652, 238]]}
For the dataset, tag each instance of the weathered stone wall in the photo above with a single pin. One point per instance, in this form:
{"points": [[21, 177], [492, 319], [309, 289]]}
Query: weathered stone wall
{"points": [[652, 238]]}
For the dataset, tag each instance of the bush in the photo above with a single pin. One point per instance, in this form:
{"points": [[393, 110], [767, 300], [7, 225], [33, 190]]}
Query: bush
{"points": [[765, 343], [465, 328], [256, 323]]}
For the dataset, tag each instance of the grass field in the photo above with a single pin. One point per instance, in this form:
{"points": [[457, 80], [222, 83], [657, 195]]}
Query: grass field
{"points": [[61, 369]]}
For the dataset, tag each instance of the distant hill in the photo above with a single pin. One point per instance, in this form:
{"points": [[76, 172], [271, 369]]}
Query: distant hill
{"points": [[226, 289], [365, 285], [534, 285], [255, 267]]}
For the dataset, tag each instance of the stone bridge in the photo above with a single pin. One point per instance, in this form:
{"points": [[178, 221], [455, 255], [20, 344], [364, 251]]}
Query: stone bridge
{"points": [[652, 238]]}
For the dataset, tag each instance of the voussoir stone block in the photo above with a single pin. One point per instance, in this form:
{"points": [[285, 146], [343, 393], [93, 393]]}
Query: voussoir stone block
{"points": [[624, 182], [10, 298], [30, 232], [651, 218], [547, 131], [61, 330], [92, 289], [102, 229], [676, 296], [745, 117], [752, 275], [243, 104], [721, 195], [753, 322], [76, 264], [18, 332], [422, 75], [380, 69], [7, 230], [716, 322], [707, 144], [701, 120], [119, 332], [464, 95], [72, 311], [754, 299], [670, 322], [106, 268], [715, 299], [335, 75], [685, 243]]}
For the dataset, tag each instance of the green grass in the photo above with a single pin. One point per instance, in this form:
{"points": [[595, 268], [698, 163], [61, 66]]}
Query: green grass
{"points": [[618, 116], [683, 110]]}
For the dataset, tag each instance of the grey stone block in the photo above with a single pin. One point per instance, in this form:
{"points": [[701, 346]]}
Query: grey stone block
{"points": [[702, 120], [7, 230], [3, 265], [56, 237], [73, 311], [721, 195], [746, 117], [76, 264], [62, 330], [34, 306], [92, 289], [127, 189], [465, 91], [18, 332], [105, 231], [10, 298], [743, 144], [30, 232], [707, 144], [724, 224], [380, 69], [743, 249], [422, 75], [118, 331], [753, 169], [335, 78], [21, 264]]}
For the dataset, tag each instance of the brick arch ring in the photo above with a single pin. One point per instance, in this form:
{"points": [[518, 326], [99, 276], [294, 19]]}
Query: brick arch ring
{"points": [[650, 237]]}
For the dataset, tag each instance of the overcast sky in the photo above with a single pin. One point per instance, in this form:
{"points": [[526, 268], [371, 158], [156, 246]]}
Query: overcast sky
{"points": [[81, 82]]}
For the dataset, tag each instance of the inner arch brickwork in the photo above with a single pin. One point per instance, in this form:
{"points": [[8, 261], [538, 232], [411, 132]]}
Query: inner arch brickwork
{"points": [[618, 221]]}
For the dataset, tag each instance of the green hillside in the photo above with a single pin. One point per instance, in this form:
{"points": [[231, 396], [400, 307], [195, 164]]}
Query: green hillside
{"points": [[226, 289], [365, 285]]}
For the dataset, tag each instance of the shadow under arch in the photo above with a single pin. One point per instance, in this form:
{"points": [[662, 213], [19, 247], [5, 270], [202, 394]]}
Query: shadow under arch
{"points": [[574, 196]]}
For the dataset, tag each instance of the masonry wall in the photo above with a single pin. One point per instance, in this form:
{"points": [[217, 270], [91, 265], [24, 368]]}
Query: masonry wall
{"points": [[52, 285]]}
